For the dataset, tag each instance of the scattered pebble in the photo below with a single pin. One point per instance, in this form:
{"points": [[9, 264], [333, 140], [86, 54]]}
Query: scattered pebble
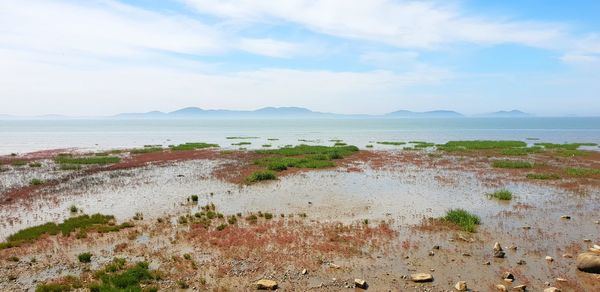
{"points": [[500, 287], [360, 283], [461, 286], [421, 277], [520, 288], [265, 284], [549, 258], [552, 289], [565, 217]]}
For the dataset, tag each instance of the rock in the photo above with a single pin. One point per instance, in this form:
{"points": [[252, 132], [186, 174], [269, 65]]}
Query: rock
{"points": [[587, 240], [520, 288], [561, 280], [304, 272], [431, 253], [436, 247], [499, 254], [265, 284], [552, 289], [565, 217], [589, 262], [597, 222], [421, 277], [500, 287], [360, 283], [567, 255], [526, 227], [497, 247], [487, 263], [461, 286], [508, 276], [549, 258], [512, 247], [466, 254], [334, 266], [521, 262]]}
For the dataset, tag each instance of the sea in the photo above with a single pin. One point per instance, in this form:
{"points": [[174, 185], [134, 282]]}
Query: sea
{"points": [[23, 136]]}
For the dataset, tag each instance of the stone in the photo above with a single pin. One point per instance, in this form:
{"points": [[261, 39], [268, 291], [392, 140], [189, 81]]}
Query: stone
{"points": [[565, 217], [521, 262], [551, 289], [334, 266], [461, 286], [520, 288], [567, 255], [431, 253], [589, 262], [360, 283], [508, 276], [265, 284], [587, 240], [500, 287], [421, 277], [487, 263], [499, 254], [304, 272], [497, 247], [436, 247], [549, 258], [512, 247], [561, 280]]}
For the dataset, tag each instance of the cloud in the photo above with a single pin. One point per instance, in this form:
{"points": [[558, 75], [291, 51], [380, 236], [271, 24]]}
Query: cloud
{"points": [[269, 47], [404, 24], [51, 88]]}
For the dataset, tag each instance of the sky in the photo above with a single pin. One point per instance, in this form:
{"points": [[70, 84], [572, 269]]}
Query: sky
{"points": [[92, 58]]}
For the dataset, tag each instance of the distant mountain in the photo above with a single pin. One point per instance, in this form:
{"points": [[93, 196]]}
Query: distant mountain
{"points": [[508, 114], [428, 114], [195, 112]]}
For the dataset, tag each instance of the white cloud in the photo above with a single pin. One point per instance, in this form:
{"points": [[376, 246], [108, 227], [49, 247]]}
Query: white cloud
{"points": [[50, 88], [405, 24], [269, 47]]}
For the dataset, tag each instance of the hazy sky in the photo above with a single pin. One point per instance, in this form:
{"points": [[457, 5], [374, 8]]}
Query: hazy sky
{"points": [[348, 56]]}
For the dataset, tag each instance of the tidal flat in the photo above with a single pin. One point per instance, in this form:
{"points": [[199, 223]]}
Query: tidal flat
{"points": [[203, 218]]}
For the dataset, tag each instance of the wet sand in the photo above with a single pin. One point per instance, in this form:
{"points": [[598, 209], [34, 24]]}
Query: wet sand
{"points": [[369, 218]]}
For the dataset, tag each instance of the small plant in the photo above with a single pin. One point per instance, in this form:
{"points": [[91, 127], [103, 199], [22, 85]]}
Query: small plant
{"points": [[463, 219], [241, 143], [512, 164], [193, 146], [221, 227], [543, 176], [504, 195], [73, 209], [87, 160], [138, 216], [369, 146], [251, 218], [70, 167], [366, 221], [582, 171], [268, 215], [36, 182], [266, 145], [394, 143], [35, 164], [194, 198], [182, 284], [187, 256], [261, 176], [85, 257]]}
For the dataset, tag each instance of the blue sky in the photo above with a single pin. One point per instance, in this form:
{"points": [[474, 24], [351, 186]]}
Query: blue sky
{"points": [[347, 56]]}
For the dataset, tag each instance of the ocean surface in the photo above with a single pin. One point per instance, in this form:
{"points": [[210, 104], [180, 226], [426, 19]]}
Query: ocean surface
{"points": [[21, 136]]}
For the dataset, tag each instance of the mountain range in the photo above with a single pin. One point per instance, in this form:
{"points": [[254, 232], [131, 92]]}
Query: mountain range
{"points": [[280, 112]]}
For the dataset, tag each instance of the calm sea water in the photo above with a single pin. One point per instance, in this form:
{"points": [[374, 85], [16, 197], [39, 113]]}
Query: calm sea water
{"points": [[22, 136]]}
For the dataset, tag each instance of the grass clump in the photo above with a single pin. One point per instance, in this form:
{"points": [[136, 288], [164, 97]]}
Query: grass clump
{"points": [[116, 277], [504, 195], [241, 143], [35, 164], [512, 164], [18, 163], [565, 146], [73, 209], [98, 222], [391, 143], [194, 198], [282, 163], [70, 167], [242, 137], [87, 160], [369, 146], [145, 150], [266, 145], [521, 151], [37, 182], [340, 144], [543, 176], [193, 146], [582, 171], [462, 218], [261, 176], [85, 257], [480, 145], [311, 149]]}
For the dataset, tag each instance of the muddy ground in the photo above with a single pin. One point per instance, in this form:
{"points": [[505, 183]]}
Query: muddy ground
{"points": [[370, 217]]}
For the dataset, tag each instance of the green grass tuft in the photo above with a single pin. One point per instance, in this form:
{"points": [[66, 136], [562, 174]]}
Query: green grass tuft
{"points": [[261, 176], [543, 176], [521, 151], [145, 150], [582, 171], [504, 195], [193, 146], [465, 220], [84, 223], [391, 143], [37, 182], [480, 145], [87, 160], [512, 164], [241, 143], [242, 137], [85, 257]]}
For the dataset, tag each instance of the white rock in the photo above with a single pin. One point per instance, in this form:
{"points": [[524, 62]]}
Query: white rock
{"points": [[549, 258], [461, 286]]}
